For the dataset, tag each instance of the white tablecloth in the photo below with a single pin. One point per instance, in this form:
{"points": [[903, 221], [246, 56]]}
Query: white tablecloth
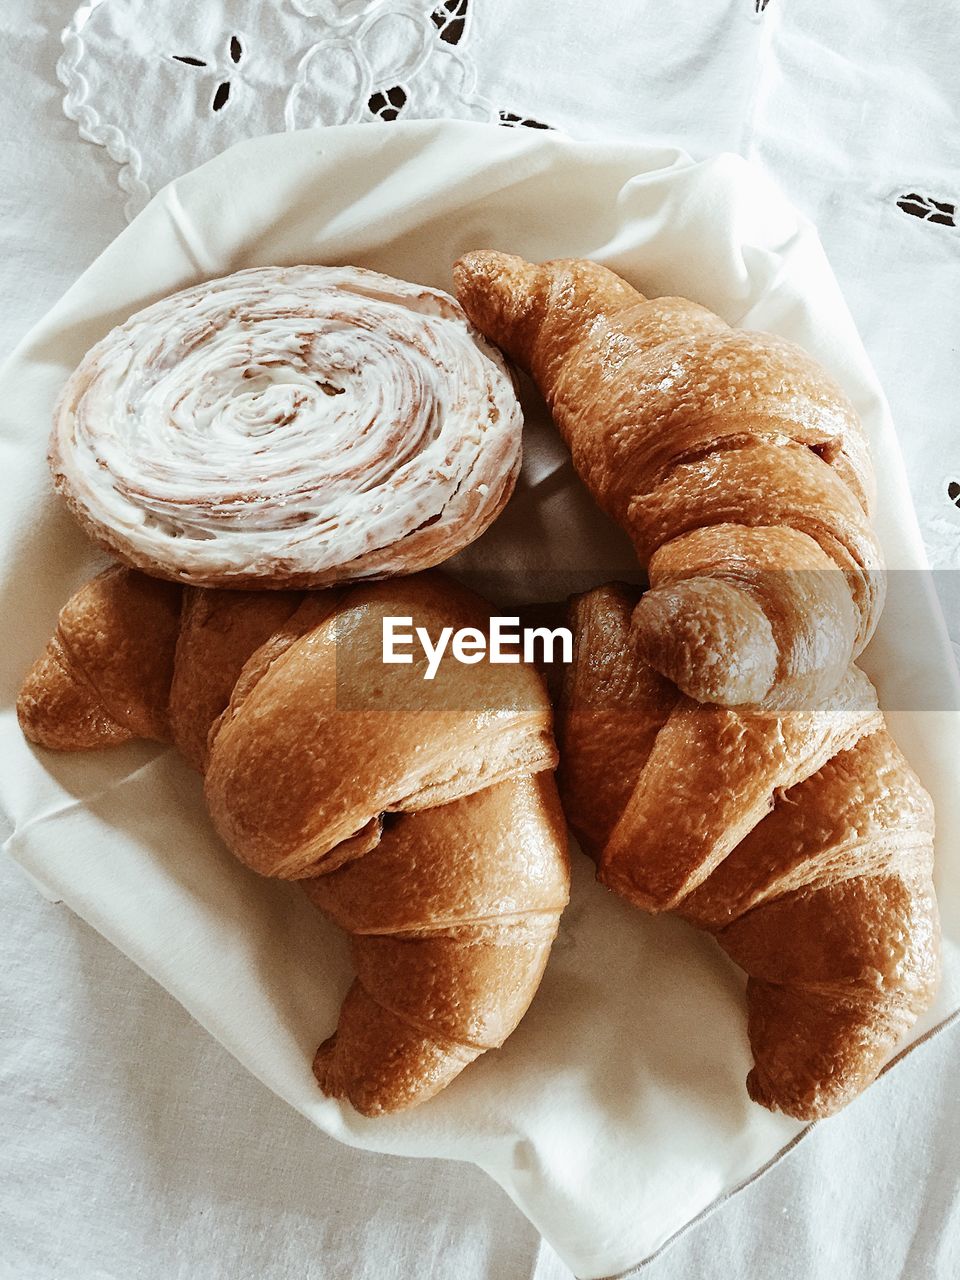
{"points": [[132, 1144]]}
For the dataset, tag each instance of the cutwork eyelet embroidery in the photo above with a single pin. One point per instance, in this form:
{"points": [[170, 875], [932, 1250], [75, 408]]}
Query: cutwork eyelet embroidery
{"points": [[386, 104], [928, 209], [221, 94], [317, 62], [450, 19], [513, 121]]}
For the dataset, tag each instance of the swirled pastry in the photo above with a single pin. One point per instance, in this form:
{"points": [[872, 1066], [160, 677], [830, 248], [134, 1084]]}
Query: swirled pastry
{"points": [[289, 427]]}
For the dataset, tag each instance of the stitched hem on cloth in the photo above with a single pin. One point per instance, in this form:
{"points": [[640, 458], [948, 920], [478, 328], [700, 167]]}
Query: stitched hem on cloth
{"points": [[88, 120], [637, 1267]]}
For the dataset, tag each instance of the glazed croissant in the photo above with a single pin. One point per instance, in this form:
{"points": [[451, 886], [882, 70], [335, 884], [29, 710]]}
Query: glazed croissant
{"points": [[802, 841], [288, 427], [421, 816], [737, 467]]}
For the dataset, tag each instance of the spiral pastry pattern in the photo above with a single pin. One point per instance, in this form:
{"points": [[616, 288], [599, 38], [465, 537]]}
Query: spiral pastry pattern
{"points": [[289, 427]]}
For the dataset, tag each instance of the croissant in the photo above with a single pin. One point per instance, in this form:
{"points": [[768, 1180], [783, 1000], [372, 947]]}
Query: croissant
{"points": [[736, 466], [421, 816], [288, 427], [801, 840]]}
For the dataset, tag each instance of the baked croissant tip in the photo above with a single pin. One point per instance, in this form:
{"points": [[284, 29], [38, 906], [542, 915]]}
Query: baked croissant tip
{"points": [[324, 1070], [741, 665], [820, 1107]]}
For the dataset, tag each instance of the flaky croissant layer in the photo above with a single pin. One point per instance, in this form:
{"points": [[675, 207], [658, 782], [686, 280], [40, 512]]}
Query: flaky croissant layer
{"points": [[421, 816], [802, 841], [738, 468]]}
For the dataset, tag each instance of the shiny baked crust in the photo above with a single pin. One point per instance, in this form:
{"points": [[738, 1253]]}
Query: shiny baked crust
{"points": [[803, 841], [736, 465], [421, 816]]}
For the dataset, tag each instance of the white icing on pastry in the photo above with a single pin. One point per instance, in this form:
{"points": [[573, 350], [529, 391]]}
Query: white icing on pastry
{"points": [[289, 425]]}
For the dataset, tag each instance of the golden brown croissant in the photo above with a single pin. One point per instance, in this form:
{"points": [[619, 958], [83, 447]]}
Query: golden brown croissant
{"points": [[737, 467], [803, 841], [422, 816]]}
